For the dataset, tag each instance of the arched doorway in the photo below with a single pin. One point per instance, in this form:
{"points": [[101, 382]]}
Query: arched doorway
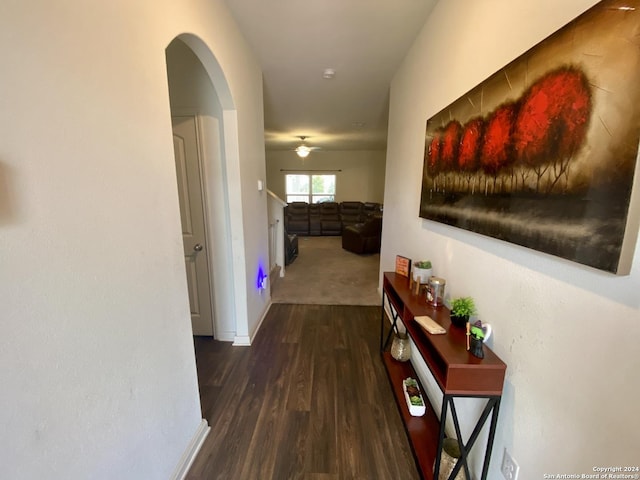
{"points": [[201, 99]]}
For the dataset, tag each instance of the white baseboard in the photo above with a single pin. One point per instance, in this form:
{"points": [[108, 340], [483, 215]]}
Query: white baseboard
{"points": [[241, 341], [191, 452], [245, 340], [225, 336], [264, 315]]}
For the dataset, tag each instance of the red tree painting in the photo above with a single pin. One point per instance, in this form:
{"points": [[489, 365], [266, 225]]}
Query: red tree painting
{"points": [[552, 123], [541, 132], [450, 146], [496, 154], [469, 150], [433, 157], [544, 152]]}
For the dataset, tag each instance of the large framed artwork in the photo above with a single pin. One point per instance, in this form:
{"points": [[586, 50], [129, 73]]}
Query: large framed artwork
{"points": [[543, 153]]}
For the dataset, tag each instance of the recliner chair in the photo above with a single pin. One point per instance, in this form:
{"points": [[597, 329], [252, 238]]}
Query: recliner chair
{"points": [[315, 220], [297, 218], [363, 237], [351, 213], [330, 218]]}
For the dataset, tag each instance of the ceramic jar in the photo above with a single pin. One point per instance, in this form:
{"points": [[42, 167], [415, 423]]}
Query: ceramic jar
{"points": [[421, 275], [475, 347]]}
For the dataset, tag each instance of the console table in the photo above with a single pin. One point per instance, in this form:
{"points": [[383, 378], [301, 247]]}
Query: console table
{"points": [[456, 371]]}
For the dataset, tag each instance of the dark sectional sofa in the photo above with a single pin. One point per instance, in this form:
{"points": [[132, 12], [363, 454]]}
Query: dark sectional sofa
{"points": [[327, 218]]}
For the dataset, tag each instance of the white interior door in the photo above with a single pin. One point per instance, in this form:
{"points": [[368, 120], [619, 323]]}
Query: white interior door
{"points": [[187, 153]]}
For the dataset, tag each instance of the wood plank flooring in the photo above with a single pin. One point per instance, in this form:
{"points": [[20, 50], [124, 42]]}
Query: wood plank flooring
{"points": [[309, 400]]}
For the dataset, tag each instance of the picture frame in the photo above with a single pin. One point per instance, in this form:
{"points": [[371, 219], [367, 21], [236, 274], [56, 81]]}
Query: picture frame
{"points": [[544, 153], [403, 266]]}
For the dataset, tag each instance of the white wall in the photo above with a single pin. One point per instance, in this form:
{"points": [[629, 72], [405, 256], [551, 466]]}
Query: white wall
{"points": [[569, 334], [359, 174], [96, 354]]}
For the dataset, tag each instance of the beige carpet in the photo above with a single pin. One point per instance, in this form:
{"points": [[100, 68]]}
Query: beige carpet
{"points": [[326, 274]]}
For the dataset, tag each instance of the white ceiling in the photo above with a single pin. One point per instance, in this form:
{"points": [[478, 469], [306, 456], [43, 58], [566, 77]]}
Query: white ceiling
{"points": [[364, 41]]}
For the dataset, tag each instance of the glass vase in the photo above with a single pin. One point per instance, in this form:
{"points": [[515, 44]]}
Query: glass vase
{"points": [[400, 347], [449, 458]]}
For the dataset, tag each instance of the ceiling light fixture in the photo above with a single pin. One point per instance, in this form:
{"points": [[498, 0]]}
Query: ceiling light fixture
{"points": [[303, 151], [328, 73]]}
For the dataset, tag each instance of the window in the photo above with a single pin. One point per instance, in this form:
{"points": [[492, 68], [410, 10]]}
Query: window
{"points": [[311, 188]]}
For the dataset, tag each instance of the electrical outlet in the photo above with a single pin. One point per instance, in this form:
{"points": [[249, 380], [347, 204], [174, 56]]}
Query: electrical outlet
{"points": [[509, 467]]}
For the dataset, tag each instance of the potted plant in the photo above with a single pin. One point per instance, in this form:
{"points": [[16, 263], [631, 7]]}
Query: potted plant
{"points": [[413, 396], [422, 270], [461, 309]]}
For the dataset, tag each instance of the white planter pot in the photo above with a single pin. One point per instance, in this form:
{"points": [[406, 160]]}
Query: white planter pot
{"points": [[422, 274], [414, 410]]}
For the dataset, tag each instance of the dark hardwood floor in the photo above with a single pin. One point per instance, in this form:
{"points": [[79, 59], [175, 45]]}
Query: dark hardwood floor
{"points": [[309, 400]]}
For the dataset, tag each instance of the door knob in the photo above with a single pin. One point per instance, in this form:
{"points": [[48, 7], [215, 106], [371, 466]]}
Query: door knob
{"points": [[197, 247]]}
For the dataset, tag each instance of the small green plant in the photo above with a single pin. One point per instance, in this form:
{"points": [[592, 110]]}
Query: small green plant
{"points": [[423, 264], [463, 307], [477, 332], [414, 392]]}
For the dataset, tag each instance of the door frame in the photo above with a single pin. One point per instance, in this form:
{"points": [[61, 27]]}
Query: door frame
{"points": [[208, 240]]}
